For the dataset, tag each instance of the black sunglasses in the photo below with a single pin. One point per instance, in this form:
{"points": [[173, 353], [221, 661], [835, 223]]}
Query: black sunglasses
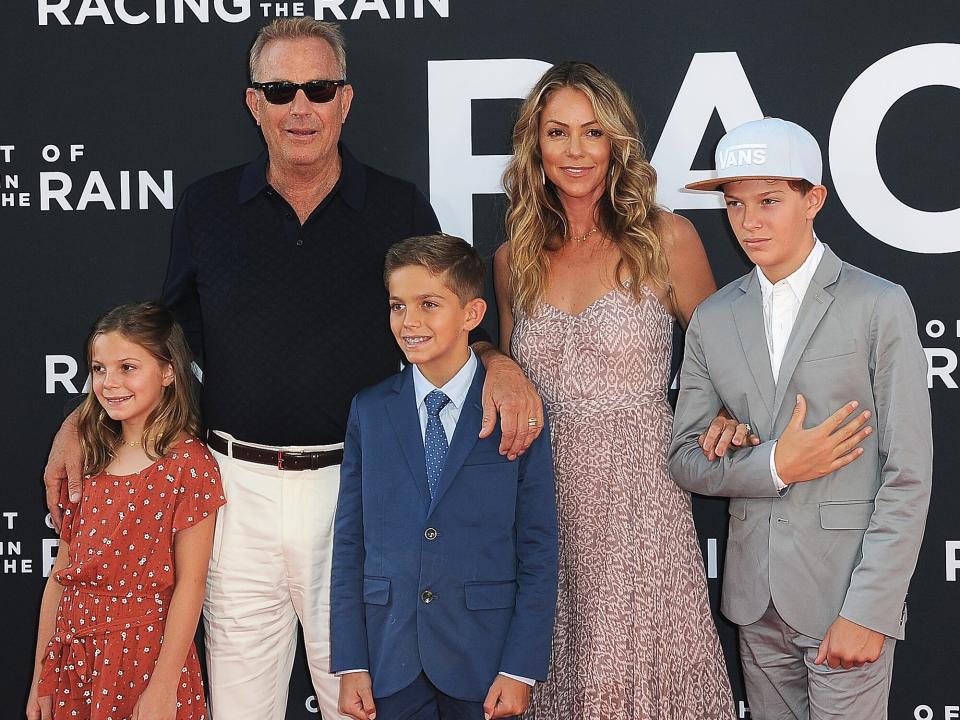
{"points": [[283, 91]]}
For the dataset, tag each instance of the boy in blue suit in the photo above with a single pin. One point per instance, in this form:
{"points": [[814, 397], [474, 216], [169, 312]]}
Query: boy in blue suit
{"points": [[445, 552]]}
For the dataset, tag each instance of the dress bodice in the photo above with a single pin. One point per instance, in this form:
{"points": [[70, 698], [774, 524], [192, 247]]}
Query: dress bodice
{"points": [[614, 354]]}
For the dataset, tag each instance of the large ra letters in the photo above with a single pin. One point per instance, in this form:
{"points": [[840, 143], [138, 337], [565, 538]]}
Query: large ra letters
{"points": [[714, 82]]}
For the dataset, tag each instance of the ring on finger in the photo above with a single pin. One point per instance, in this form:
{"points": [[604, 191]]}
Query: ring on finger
{"points": [[749, 429], [533, 422]]}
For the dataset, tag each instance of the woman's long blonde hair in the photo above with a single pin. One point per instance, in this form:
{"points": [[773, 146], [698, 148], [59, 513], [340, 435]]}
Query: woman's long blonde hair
{"points": [[151, 326], [627, 213]]}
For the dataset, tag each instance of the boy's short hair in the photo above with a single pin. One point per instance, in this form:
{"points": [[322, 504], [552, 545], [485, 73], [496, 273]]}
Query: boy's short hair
{"points": [[802, 186], [453, 258]]}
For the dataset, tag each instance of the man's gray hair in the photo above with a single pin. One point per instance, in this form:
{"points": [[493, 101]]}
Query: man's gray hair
{"points": [[294, 29]]}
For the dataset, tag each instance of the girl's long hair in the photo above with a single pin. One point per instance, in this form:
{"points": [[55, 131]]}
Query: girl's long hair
{"points": [[627, 213], [151, 326]]}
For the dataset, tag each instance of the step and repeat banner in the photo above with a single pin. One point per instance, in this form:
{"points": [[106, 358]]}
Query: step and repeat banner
{"points": [[112, 107]]}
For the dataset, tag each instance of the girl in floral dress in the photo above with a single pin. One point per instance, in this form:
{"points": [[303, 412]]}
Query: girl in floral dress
{"points": [[122, 602]]}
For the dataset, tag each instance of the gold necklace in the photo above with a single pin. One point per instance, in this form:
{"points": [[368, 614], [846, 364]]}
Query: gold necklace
{"points": [[581, 238], [132, 443]]}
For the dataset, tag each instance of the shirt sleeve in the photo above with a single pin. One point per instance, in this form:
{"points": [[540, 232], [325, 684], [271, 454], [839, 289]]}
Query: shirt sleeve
{"points": [[179, 291], [777, 480], [424, 218], [200, 491], [519, 678]]}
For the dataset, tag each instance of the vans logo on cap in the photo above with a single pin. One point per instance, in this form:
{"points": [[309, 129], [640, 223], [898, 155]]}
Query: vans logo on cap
{"points": [[737, 155]]}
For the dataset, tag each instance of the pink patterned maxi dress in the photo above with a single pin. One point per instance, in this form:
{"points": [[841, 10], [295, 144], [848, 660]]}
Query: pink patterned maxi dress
{"points": [[634, 638]]}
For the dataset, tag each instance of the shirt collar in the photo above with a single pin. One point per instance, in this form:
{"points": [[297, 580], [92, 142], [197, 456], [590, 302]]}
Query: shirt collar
{"points": [[253, 179], [799, 280], [353, 179], [456, 388], [352, 183]]}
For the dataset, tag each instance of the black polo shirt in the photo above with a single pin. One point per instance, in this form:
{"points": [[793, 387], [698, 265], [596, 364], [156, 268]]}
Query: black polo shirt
{"points": [[288, 321]]}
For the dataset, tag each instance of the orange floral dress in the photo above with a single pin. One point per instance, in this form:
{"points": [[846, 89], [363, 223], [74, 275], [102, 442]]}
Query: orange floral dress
{"points": [[118, 585]]}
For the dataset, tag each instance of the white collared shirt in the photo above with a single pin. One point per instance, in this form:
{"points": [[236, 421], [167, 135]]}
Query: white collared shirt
{"points": [[781, 305], [456, 388]]}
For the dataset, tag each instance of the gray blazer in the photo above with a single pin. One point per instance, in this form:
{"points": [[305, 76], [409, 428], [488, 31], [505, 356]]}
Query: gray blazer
{"points": [[845, 544]]}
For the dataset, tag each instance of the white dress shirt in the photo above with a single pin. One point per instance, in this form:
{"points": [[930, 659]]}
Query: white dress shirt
{"points": [[456, 388], [781, 305]]}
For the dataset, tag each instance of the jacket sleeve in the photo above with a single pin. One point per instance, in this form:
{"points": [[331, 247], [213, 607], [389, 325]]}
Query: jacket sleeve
{"points": [[348, 629], [878, 586], [744, 473], [526, 652]]}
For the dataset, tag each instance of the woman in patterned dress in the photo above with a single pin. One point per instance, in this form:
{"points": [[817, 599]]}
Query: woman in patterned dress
{"points": [[589, 284], [120, 608]]}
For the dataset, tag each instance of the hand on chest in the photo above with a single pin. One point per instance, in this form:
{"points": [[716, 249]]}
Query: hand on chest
{"points": [[820, 352]]}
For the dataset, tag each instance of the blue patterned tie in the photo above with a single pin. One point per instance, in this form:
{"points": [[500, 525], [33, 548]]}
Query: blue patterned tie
{"points": [[435, 439]]}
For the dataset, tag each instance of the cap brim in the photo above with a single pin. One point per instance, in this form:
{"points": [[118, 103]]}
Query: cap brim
{"points": [[713, 185]]}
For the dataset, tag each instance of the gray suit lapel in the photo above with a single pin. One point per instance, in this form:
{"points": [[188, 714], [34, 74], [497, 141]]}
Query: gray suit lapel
{"points": [[748, 316], [816, 301]]}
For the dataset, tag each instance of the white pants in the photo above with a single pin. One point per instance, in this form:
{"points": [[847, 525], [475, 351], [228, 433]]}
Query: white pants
{"points": [[270, 566]]}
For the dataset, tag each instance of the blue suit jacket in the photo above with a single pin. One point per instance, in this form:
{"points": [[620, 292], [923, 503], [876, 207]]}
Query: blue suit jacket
{"points": [[462, 587]]}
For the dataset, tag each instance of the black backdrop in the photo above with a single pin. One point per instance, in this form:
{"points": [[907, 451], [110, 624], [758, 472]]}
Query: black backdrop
{"points": [[110, 108]]}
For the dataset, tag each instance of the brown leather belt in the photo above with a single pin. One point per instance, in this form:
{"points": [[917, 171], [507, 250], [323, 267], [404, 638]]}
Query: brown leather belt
{"points": [[280, 459]]}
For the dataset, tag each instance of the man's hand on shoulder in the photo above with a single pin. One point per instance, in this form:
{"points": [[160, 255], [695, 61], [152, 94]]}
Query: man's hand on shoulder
{"points": [[65, 462], [507, 697], [803, 455], [848, 645], [356, 696], [508, 392]]}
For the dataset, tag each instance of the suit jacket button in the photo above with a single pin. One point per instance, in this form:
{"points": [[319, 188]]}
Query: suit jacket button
{"points": [[430, 533], [426, 596]]}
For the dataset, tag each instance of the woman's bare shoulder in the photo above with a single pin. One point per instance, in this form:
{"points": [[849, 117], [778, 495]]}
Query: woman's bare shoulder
{"points": [[501, 259], [677, 234]]}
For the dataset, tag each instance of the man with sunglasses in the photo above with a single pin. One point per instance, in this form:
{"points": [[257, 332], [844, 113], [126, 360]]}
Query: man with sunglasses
{"points": [[276, 276]]}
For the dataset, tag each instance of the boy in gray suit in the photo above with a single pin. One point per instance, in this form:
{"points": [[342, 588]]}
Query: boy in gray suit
{"points": [[827, 511]]}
